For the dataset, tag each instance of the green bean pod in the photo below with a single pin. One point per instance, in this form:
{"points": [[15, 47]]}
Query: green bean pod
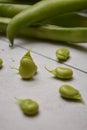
{"points": [[10, 10], [41, 11], [65, 20], [55, 33], [50, 32]]}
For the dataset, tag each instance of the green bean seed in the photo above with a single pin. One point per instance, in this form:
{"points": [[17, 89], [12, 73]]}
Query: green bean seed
{"points": [[69, 92], [1, 62], [27, 68], [62, 54], [62, 72], [28, 106]]}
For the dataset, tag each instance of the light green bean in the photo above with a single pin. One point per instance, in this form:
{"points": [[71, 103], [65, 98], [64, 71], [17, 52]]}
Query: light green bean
{"points": [[28, 106], [69, 92], [62, 54], [61, 72], [27, 68]]}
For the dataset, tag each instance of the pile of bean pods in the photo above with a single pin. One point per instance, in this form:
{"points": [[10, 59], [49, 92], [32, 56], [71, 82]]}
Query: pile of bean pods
{"points": [[58, 20]]}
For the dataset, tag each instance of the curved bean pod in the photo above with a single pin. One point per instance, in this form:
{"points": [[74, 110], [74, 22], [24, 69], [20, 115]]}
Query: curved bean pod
{"points": [[54, 33], [41, 11], [65, 20]]}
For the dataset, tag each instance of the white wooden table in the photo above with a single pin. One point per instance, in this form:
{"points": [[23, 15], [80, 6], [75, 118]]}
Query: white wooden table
{"points": [[55, 113]]}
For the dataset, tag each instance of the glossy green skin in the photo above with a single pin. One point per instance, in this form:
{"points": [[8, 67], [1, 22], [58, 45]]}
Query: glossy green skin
{"points": [[69, 92], [41, 11], [62, 54], [28, 106], [1, 62], [64, 73]]}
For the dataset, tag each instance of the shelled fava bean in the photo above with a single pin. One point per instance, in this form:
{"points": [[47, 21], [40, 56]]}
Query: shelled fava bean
{"points": [[62, 72], [27, 68], [28, 106], [69, 92], [62, 54]]}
